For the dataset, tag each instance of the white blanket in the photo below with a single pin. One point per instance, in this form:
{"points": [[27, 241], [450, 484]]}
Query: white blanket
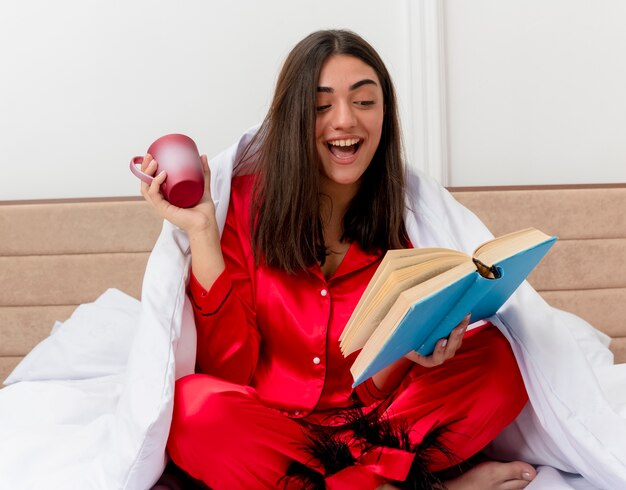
{"points": [[90, 407]]}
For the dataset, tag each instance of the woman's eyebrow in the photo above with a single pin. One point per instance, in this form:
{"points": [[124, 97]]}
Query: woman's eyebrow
{"points": [[354, 86], [360, 83]]}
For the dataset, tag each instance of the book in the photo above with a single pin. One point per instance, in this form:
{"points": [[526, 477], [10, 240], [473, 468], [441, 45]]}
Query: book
{"points": [[417, 296]]}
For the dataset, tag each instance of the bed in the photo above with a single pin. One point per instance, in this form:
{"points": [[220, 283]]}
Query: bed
{"points": [[56, 255]]}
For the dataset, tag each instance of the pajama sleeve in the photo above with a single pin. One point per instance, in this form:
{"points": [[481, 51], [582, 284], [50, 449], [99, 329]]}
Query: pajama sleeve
{"points": [[369, 394], [228, 337]]}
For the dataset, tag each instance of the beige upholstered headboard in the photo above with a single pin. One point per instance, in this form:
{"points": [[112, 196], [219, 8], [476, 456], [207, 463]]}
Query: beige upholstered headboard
{"points": [[585, 272], [55, 255]]}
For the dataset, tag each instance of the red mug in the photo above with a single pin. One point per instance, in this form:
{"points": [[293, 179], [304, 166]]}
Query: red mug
{"points": [[178, 155]]}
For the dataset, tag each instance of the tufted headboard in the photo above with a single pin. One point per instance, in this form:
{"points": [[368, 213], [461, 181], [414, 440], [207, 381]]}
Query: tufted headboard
{"points": [[585, 272], [55, 255]]}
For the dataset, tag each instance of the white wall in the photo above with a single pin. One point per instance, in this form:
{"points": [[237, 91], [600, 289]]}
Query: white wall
{"points": [[536, 91], [533, 90], [86, 84]]}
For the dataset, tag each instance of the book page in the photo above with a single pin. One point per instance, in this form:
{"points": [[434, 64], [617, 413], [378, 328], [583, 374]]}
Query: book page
{"points": [[393, 260], [508, 245], [371, 314]]}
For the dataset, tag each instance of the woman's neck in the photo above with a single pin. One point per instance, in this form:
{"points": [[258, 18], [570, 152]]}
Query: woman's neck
{"points": [[335, 201], [334, 204]]}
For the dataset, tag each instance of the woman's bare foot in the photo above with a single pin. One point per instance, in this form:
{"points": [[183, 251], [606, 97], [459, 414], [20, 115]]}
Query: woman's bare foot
{"points": [[493, 475], [489, 475]]}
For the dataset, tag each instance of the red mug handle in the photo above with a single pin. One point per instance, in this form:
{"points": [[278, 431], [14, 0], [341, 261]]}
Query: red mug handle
{"points": [[133, 168]]}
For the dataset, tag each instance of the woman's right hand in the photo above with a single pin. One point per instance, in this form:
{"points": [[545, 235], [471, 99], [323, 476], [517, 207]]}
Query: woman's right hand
{"points": [[197, 220]]}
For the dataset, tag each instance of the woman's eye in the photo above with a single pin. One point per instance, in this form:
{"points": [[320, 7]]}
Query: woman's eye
{"points": [[321, 108], [365, 102]]}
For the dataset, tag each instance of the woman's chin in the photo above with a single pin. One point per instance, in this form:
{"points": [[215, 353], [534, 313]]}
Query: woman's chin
{"points": [[343, 176]]}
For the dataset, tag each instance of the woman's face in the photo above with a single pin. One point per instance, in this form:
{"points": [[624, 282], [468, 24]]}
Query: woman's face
{"points": [[349, 120]]}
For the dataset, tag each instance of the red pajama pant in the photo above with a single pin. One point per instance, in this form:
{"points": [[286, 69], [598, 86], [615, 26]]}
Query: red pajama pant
{"points": [[224, 435]]}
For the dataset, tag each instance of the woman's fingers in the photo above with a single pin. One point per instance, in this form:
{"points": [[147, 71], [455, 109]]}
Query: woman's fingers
{"points": [[207, 176], [444, 348], [149, 169], [443, 351], [154, 190], [417, 358], [159, 179], [455, 339], [435, 359], [146, 160]]}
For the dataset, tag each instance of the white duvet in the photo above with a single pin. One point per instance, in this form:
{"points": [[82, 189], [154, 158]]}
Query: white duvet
{"points": [[90, 406]]}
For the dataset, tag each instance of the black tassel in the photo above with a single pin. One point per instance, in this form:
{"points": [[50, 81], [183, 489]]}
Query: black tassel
{"points": [[374, 428], [377, 430], [325, 446], [328, 445], [303, 477]]}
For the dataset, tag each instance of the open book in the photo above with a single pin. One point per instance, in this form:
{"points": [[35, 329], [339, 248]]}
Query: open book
{"points": [[417, 296]]}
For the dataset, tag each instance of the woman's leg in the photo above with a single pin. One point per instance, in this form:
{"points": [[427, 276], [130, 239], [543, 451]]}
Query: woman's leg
{"points": [[222, 435], [472, 396]]}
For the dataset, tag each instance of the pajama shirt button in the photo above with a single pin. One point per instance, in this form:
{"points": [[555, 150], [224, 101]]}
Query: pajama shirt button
{"points": [[316, 360], [323, 292]]}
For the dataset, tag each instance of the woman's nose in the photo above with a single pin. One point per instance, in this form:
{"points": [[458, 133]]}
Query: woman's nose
{"points": [[343, 117]]}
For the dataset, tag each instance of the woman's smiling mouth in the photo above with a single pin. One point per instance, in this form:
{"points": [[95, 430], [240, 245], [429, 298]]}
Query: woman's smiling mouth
{"points": [[345, 150]]}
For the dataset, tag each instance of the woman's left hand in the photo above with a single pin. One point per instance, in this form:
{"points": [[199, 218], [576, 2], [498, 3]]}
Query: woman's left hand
{"points": [[445, 348]]}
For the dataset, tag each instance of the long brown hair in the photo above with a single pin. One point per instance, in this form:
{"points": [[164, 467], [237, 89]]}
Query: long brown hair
{"points": [[287, 229]]}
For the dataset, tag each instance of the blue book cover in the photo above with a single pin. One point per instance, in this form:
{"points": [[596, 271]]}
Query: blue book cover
{"points": [[433, 317]]}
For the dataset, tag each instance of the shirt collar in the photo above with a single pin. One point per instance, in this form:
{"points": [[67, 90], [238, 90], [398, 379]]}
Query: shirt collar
{"points": [[355, 259]]}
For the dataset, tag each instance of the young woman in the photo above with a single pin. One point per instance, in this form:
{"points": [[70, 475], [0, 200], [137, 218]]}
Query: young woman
{"points": [[272, 403]]}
